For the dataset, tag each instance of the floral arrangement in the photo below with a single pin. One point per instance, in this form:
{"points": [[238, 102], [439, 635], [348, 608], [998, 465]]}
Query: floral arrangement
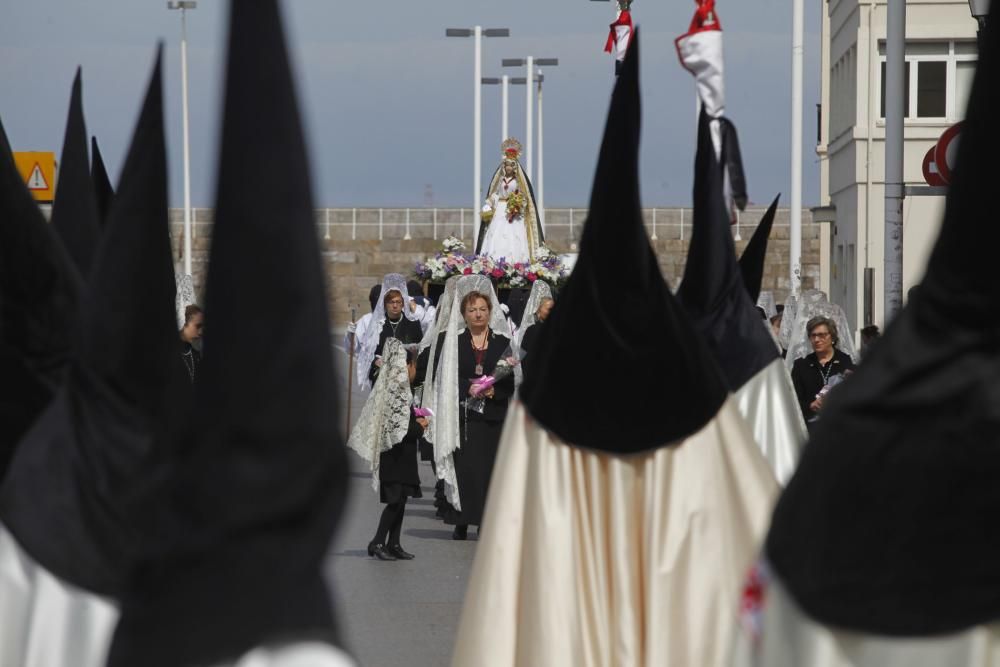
{"points": [[453, 244], [546, 266], [515, 206]]}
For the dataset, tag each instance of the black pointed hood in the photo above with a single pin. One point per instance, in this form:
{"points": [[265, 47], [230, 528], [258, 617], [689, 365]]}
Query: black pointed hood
{"points": [[616, 321], [712, 291], [74, 212], [246, 567], [104, 194], [39, 293], [754, 256], [97, 442], [888, 525]]}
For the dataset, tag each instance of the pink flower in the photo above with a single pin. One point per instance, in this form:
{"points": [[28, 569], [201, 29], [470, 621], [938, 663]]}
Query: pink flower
{"points": [[467, 271], [532, 277], [497, 273]]}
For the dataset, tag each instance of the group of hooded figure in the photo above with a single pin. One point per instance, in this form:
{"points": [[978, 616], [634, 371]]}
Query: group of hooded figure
{"points": [[651, 501], [146, 519]]}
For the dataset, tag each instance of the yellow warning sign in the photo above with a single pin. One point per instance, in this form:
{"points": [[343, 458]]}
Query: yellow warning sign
{"points": [[38, 169]]}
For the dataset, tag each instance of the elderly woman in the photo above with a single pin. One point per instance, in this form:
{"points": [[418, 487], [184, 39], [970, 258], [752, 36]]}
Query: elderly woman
{"points": [[814, 374], [465, 439]]}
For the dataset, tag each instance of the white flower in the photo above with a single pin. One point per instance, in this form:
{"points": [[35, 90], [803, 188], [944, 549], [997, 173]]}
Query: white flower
{"points": [[452, 245]]}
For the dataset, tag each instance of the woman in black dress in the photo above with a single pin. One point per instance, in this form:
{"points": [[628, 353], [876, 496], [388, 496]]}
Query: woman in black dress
{"points": [[481, 342], [814, 374], [386, 436]]}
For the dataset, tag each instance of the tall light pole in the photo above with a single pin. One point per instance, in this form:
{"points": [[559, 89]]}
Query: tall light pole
{"points": [[980, 10], [529, 63], [185, 5], [505, 100], [895, 111], [551, 62], [541, 158], [477, 110], [504, 83], [795, 222]]}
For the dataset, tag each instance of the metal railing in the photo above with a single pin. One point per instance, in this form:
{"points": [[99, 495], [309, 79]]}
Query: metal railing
{"points": [[437, 223]]}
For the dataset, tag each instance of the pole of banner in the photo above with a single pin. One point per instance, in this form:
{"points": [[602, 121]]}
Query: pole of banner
{"points": [[350, 376]]}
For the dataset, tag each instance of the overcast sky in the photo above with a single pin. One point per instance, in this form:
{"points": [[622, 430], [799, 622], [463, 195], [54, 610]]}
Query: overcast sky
{"points": [[387, 98]]}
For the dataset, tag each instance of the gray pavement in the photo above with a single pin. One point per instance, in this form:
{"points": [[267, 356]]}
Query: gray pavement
{"points": [[402, 612]]}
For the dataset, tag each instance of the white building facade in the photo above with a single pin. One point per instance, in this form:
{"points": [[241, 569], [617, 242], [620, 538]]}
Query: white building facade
{"points": [[940, 63]]}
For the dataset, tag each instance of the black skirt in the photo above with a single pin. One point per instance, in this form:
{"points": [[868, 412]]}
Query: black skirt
{"points": [[474, 468], [398, 473], [426, 450]]}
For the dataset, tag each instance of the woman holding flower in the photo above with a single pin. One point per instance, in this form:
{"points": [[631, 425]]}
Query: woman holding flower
{"points": [[473, 350], [510, 228]]}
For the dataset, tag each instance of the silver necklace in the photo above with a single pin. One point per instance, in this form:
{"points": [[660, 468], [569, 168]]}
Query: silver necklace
{"points": [[825, 374], [394, 325], [188, 357]]}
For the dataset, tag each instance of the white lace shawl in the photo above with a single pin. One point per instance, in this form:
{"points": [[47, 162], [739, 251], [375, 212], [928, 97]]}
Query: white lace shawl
{"points": [[813, 303], [540, 291], [445, 430], [788, 320], [766, 301], [430, 340], [385, 418], [369, 343], [185, 296]]}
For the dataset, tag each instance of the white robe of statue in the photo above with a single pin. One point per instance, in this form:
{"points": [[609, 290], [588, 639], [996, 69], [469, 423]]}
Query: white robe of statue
{"points": [[506, 239]]}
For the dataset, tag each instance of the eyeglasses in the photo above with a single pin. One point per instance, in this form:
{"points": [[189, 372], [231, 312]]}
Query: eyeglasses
{"points": [[394, 302], [819, 335]]}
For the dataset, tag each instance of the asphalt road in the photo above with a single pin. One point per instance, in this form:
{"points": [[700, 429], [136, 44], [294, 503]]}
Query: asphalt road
{"points": [[401, 613]]}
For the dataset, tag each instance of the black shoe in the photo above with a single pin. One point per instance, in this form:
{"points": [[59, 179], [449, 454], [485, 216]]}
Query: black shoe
{"points": [[379, 551], [460, 533], [397, 551]]}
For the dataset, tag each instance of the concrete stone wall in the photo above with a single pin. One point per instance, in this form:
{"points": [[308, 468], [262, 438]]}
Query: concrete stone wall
{"points": [[361, 245]]}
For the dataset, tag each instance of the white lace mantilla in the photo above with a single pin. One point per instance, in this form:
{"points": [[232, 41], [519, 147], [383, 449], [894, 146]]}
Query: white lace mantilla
{"points": [[385, 418], [445, 431], [369, 343]]}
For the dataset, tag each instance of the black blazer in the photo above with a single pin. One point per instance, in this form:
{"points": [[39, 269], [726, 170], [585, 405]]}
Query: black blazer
{"points": [[496, 407], [807, 376]]}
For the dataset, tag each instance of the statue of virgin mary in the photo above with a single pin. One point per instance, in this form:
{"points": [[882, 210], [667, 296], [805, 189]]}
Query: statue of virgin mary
{"points": [[510, 228]]}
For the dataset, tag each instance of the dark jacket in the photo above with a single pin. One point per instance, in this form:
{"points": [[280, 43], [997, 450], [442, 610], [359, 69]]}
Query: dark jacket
{"points": [[496, 407], [408, 332], [808, 377], [192, 361]]}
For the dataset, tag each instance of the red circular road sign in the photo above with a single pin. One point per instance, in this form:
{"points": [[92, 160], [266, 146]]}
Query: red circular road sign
{"points": [[930, 169], [946, 151]]}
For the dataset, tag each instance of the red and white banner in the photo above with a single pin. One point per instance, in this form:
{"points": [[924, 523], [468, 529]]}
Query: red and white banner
{"points": [[620, 35]]}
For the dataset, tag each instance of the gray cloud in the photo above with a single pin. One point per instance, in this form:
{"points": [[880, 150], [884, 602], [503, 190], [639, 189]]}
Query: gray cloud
{"points": [[387, 98]]}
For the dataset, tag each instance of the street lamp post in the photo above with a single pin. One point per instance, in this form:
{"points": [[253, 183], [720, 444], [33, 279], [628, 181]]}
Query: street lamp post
{"points": [[185, 5], [504, 83], [895, 112], [541, 161], [477, 109], [529, 63], [980, 9]]}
